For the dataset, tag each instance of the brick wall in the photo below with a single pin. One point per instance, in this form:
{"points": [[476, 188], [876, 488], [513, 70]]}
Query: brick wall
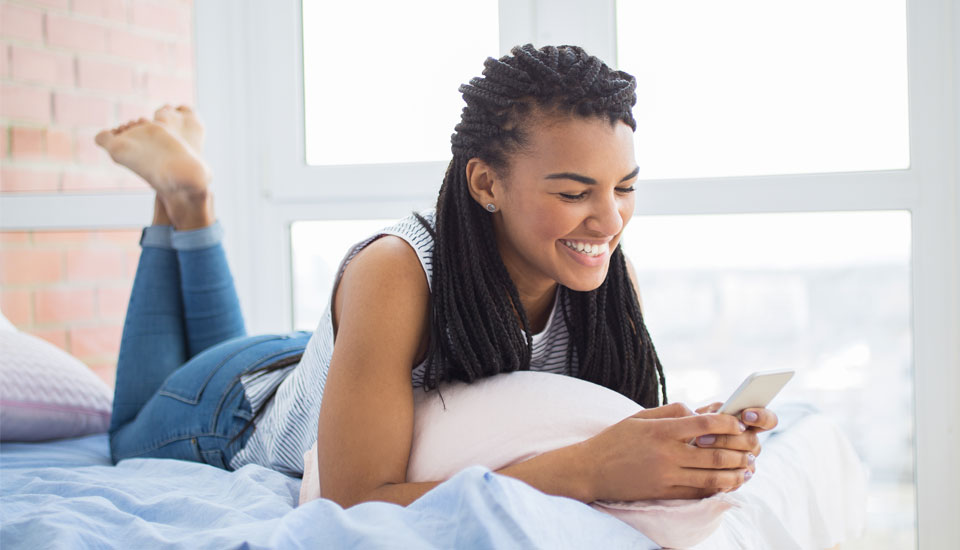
{"points": [[69, 68], [70, 288]]}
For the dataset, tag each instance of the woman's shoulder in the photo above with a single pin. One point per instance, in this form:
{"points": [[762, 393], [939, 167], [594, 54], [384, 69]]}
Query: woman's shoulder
{"points": [[417, 229]]}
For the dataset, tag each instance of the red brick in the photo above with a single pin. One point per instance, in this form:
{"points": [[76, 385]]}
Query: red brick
{"points": [[59, 145], [60, 237], [107, 9], [30, 65], [26, 143], [91, 264], [112, 302], [105, 370], [124, 237], [16, 306], [66, 32], [86, 150], [27, 265], [59, 4], [59, 305], [98, 340], [4, 60], [164, 17], [183, 55], [14, 237], [26, 180], [135, 47], [78, 110], [133, 260], [169, 89], [133, 111], [19, 102], [84, 181], [56, 336], [100, 75], [21, 22]]}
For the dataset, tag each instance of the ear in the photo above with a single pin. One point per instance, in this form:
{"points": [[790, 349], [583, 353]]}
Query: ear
{"points": [[483, 183]]}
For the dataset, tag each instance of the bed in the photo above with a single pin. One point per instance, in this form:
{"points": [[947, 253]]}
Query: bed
{"points": [[64, 493]]}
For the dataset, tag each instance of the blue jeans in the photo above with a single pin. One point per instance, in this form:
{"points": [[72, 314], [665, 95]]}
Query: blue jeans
{"points": [[184, 348]]}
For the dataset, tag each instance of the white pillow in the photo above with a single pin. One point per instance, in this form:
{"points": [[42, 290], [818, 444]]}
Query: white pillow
{"points": [[45, 393], [509, 418]]}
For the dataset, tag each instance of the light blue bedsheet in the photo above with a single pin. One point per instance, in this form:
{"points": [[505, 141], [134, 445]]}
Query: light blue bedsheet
{"points": [[65, 494]]}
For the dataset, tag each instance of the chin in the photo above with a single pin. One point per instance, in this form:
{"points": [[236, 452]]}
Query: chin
{"points": [[583, 284]]}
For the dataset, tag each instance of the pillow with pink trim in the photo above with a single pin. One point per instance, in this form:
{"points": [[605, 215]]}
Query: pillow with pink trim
{"points": [[46, 393], [509, 418]]}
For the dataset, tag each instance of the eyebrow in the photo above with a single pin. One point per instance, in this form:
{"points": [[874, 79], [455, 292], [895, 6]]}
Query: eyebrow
{"points": [[589, 181]]}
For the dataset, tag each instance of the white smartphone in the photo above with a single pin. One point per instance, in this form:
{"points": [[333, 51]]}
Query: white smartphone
{"points": [[757, 390]]}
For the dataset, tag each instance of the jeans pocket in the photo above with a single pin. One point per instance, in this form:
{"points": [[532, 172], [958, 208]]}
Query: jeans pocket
{"points": [[187, 384], [214, 457]]}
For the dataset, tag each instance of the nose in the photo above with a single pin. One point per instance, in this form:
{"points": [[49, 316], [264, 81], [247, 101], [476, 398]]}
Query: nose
{"points": [[605, 217]]}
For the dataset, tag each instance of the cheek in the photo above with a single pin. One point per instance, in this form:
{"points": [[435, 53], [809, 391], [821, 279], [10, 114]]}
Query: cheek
{"points": [[627, 205]]}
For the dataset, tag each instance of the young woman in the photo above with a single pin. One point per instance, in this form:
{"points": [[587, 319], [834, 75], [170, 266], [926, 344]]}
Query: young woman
{"points": [[518, 267]]}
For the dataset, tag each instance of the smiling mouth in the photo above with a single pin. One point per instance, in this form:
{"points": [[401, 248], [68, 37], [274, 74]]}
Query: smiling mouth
{"points": [[587, 249]]}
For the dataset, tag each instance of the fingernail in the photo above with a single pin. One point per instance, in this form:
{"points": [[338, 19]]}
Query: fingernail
{"points": [[751, 416], [743, 427], [707, 439], [747, 475], [751, 459]]}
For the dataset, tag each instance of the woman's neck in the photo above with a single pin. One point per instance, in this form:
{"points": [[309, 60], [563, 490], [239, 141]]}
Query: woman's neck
{"points": [[538, 306]]}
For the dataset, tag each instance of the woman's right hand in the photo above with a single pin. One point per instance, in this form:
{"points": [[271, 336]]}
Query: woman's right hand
{"points": [[648, 456]]}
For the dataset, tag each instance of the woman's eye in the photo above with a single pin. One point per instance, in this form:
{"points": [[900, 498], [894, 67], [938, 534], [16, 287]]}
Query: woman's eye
{"points": [[626, 189], [573, 197]]}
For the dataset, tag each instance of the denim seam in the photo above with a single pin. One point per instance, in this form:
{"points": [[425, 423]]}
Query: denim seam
{"points": [[196, 398], [207, 287], [219, 408], [168, 441]]}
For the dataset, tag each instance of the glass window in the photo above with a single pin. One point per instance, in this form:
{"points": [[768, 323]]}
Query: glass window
{"points": [[387, 92], [317, 247], [826, 294], [766, 86]]}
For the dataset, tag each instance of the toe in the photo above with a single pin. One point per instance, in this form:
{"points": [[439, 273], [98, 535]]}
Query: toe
{"points": [[103, 138], [163, 113]]}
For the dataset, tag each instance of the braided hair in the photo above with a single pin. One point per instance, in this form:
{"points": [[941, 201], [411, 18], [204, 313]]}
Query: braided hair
{"points": [[474, 303]]}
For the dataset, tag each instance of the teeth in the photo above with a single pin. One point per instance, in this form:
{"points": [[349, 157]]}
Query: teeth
{"points": [[586, 248]]}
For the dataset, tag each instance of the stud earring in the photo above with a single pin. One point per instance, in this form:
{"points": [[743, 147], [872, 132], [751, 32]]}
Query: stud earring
{"points": [[491, 207]]}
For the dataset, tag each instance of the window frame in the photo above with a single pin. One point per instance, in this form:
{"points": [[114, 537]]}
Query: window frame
{"points": [[266, 191]]}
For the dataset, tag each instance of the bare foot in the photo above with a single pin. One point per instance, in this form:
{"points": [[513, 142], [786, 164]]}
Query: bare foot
{"points": [[183, 122], [169, 164]]}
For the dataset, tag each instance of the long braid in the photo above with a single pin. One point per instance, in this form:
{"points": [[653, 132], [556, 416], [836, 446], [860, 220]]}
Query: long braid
{"points": [[473, 328]]}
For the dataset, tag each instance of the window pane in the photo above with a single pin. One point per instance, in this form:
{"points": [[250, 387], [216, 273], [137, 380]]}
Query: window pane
{"points": [[750, 87], [381, 77], [826, 294], [317, 247]]}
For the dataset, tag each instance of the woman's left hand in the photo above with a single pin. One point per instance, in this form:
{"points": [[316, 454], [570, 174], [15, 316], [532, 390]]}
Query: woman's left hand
{"points": [[757, 420]]}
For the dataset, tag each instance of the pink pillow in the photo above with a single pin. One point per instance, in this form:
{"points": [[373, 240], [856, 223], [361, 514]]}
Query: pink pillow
{"points": [[45, 393], [509, 418]]}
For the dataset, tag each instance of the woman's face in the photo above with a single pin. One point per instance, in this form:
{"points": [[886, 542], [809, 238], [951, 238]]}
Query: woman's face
{"points": [[564, 202]]}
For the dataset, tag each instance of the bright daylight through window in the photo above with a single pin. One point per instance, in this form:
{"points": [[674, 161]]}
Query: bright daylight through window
{"points": [[407, 113], [766, 87]]}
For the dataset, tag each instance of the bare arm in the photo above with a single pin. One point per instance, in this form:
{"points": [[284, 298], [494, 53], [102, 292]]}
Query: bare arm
{"points": [[365, 429], [562, 472], [366, 417]]}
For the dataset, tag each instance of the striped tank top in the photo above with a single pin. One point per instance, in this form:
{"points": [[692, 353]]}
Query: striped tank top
{"points": [[288, 425]]}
